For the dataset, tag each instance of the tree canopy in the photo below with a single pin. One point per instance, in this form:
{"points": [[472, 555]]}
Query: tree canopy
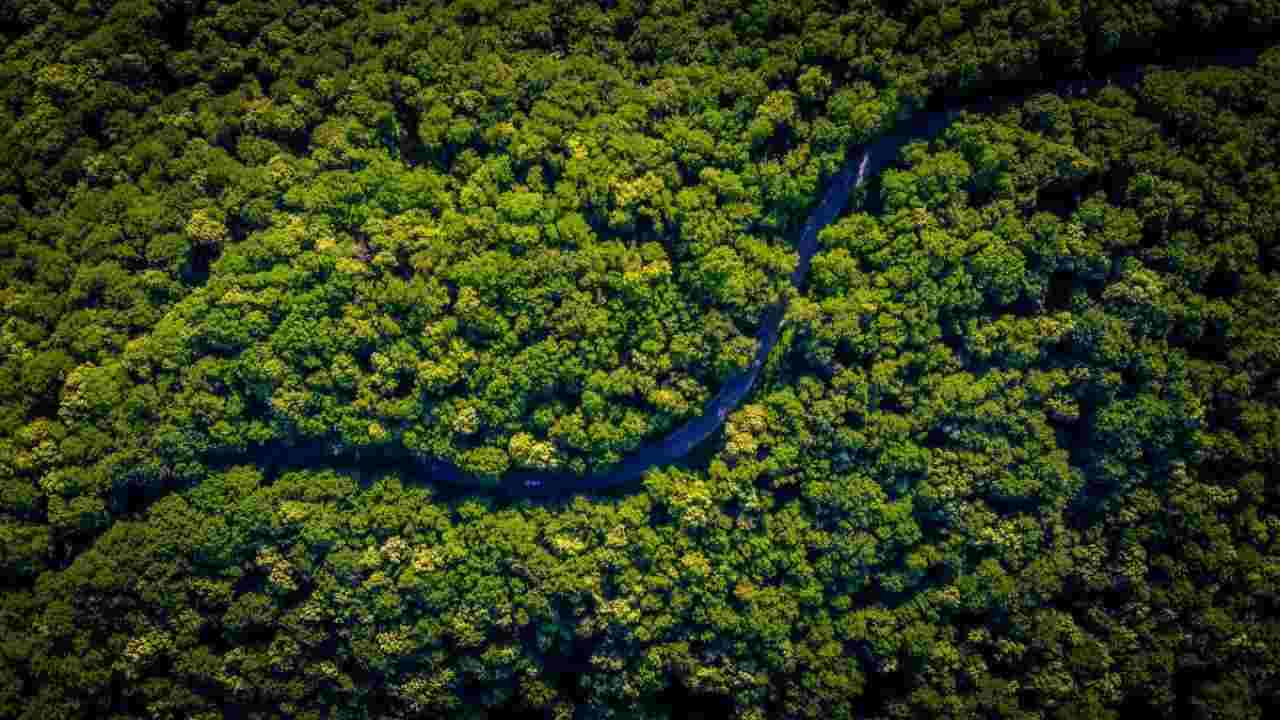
{"points": [[1014, 455]]}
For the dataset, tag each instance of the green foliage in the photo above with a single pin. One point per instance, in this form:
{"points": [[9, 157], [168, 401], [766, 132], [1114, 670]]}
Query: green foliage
{"points": [[1014, 456]]}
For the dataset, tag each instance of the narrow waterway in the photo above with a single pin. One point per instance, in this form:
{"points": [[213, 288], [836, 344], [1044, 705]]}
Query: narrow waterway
{"points": [[862, 163]]}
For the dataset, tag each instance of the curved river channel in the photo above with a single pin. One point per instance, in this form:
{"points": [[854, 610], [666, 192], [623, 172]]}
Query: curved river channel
{"points": [[861, 163]]}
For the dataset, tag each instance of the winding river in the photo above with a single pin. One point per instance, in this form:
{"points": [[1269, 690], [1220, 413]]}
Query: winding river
{"points": [[860, 164]]}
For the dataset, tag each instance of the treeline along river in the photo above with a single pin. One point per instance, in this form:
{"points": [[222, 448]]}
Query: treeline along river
{"points": [[861, 164]]}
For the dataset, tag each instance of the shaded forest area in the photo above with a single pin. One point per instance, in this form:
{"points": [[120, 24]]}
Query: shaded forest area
{"points": [[1015, 454]]}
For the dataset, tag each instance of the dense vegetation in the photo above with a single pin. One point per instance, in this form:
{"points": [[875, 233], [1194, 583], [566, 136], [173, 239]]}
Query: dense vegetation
{"points": [[1015, 455]]}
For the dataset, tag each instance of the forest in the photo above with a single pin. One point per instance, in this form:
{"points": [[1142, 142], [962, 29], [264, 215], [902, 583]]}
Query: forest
{"points": [[338, 342]]}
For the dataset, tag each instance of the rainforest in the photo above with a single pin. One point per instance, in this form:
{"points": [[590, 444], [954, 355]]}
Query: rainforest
{"points": [[640, 359]]}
